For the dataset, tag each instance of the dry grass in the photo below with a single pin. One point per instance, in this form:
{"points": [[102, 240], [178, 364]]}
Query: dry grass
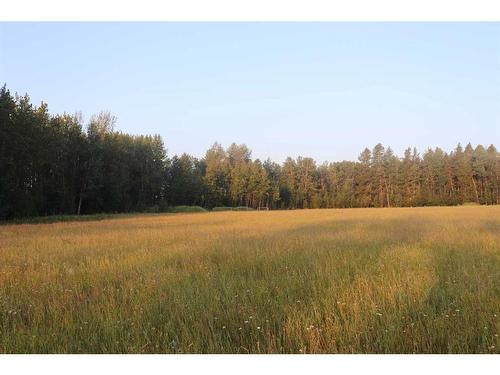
{"points": [[423, 280]]}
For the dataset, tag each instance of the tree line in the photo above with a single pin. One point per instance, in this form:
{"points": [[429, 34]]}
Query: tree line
{"points": [[54, 164]]}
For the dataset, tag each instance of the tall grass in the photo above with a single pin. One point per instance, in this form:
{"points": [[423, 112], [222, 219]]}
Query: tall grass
{"points": [[414, 280]]}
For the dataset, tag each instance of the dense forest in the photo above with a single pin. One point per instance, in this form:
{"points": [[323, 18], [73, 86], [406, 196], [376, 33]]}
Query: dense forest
{"points": [[54, 164]]}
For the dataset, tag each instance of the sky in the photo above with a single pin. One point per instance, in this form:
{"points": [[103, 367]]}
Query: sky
{"points": [[324, 90]]}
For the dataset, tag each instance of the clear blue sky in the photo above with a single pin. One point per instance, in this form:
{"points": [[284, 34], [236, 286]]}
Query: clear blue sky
{"points": [[324, 90]]}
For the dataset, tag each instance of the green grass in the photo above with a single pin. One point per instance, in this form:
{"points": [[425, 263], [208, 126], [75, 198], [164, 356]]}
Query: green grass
{"points": [[185, 209], [62, 218], [240, 208], [103, 216], [409, 280]]}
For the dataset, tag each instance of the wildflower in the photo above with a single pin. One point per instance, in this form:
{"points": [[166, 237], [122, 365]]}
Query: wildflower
{"points": [[258, 327], [223, 327], [246, 321], [447, 315], [379, 314], [239, 329]]}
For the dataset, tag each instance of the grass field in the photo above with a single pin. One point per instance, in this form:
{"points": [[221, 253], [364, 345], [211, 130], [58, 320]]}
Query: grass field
{"points": [[402, 280]]}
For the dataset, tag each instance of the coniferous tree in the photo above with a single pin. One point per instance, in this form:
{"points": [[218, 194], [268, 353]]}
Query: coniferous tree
{"points": [[53, 165]]}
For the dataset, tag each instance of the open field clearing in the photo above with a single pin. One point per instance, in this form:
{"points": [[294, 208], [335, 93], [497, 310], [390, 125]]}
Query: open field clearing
{"points": [[402, 280]]}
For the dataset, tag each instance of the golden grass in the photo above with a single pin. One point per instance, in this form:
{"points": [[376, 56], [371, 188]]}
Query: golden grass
{"points": [[402, 280]]}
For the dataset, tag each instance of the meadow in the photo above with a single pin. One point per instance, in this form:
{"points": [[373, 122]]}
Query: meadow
{"points": [[398, 280]]}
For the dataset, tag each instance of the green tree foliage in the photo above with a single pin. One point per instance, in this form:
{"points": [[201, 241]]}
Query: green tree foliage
{"points": [[217, 176], [185, 181], [52, 165]]}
